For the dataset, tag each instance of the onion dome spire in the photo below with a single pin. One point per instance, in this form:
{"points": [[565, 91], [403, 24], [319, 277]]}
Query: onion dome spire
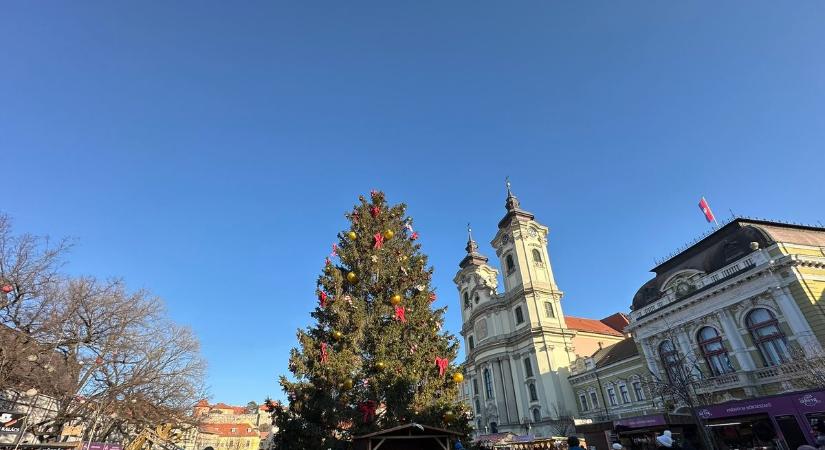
{"points": [[473, 256], [513, 208]]}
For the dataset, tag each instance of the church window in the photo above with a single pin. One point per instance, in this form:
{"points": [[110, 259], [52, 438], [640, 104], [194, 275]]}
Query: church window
{"points": [[536, 415], [534, 396], [466, 300], [548, 309], [475, 386], [476, 299], [583, 402], [478, 406], [536, 256], [528, 368], [511, 266], [472, 343], [488, 384], [478, 424], [519, 315]]}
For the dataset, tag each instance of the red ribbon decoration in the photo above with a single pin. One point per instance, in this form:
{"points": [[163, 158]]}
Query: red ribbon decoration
{"points": [[322, 297], [334, 250], [414, 236], [367, 410], [432, 297], [379, 241], [327, 262], [400, 314], [442, 365], [324, 354], [375, 211]]}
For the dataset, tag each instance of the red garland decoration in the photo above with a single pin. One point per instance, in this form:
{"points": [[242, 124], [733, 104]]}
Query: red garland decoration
{"points": [[432, 297], [324, 353], [327, 262], [414, 236], [442, 365], [367, 410], [400, 314], [334, 250], [375, 211], [379, 241], [322, 297]]}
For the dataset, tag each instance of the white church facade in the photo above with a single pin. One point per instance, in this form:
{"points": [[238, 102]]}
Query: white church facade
{"points": [[519, 343]]}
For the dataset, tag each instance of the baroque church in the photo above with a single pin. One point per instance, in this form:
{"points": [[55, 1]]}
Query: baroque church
{"points": [[519, 343]]}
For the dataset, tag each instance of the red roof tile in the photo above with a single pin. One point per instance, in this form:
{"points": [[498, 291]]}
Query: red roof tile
{"points": [[589, 326], [225, 429], [617, 321]]}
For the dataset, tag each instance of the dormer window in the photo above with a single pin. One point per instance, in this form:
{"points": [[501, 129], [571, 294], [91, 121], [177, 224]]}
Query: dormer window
{"points": [[511, 266]]}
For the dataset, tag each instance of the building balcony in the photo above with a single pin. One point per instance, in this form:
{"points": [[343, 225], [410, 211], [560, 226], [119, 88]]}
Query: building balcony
{"points": [[752, 379]]}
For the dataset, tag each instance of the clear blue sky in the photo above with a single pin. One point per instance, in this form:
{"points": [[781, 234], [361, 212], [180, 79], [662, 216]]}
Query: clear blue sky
{"points": [[208, 150]]}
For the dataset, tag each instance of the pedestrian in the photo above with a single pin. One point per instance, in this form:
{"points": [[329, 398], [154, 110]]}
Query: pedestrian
{"points": [[665, 440], [573, 443]]}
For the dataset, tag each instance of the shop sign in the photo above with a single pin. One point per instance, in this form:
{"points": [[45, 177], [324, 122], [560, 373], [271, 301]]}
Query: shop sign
{"points": [[786, 404], [11, 422], [641, 421]]}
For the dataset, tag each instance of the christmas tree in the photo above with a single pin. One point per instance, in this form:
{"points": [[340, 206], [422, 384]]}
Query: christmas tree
{"points": [[376, 356]]}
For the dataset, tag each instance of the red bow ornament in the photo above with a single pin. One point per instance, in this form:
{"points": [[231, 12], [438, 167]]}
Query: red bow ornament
{"points": [[375, 211], [367, 410], [334, 250], [324, 353], [379, 241], [432, 297], [442, 365], [400, 314], [414, 236]]}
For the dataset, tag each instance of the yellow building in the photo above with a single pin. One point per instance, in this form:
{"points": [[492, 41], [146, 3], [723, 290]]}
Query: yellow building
{"points": [[229, 436]]}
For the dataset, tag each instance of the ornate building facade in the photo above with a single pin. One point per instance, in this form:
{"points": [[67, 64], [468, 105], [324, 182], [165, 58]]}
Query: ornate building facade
{"points": [[519, 344]]}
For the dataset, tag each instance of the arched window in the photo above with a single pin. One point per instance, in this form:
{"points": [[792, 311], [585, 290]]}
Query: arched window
{"points": [[478, 424], [528, 368], [471, 342], [670, 359], [536, 415], [488, 384], [511, 266], [478, 406], [536, 256], [715, 353], [768, 337], [534, 396], [466, 300]]}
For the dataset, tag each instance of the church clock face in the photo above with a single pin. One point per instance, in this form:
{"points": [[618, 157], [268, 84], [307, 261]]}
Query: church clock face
{"points": [[532, 232], [505, 238]]}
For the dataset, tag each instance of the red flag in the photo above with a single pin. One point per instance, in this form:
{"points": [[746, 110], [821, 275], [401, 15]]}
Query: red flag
{"points": [[703, 205]]}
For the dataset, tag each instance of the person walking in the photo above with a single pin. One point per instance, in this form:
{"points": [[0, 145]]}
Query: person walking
{"points": [[665, 441], [573, 443]]}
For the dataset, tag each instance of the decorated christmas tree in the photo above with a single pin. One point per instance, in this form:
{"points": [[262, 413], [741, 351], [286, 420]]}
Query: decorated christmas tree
{"points": [[375, 356]]}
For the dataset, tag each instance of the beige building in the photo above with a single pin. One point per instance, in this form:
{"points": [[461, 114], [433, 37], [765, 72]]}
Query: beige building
{"points": [[519, 343], [737, 320]]}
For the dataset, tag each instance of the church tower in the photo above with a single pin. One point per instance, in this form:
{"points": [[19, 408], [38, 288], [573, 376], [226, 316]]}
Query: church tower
{"points": [[521, 246], [517, 345]]}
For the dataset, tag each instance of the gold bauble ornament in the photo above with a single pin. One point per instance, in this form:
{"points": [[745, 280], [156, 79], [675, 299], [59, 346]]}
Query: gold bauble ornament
{"points": [[352, 235], [395, 299], [448, 416], [347, 384], [380, 366], [389, 234], [337, 335], [352, 277], [458, 377], [404, 257]]}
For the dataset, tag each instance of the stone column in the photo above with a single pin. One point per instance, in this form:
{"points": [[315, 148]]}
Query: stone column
{"points": [[796, 321], [518, 383], [687, 351], [737, 343]]}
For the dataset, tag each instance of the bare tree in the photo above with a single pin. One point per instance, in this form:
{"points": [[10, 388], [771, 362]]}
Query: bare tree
{"points": [[680, 383], [563, 424], [109, 357]]}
